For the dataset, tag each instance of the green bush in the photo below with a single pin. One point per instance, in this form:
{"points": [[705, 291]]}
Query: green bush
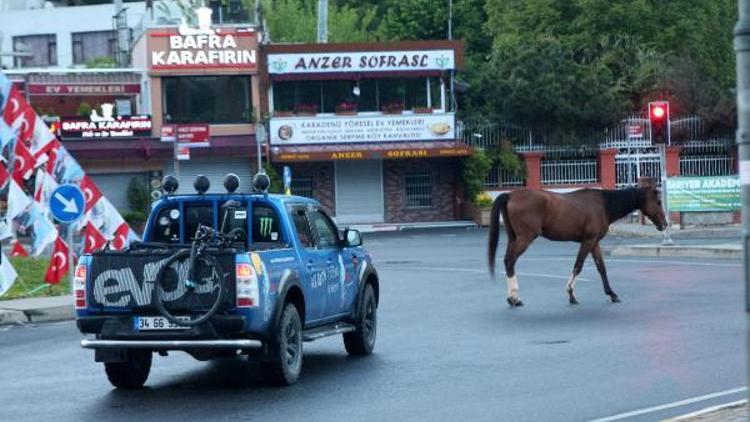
{"points": [[31, 273], [474, 172], [139, 198]]}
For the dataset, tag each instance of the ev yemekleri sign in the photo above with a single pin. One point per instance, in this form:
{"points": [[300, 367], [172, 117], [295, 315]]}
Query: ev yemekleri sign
{"points": [[717, 193]]}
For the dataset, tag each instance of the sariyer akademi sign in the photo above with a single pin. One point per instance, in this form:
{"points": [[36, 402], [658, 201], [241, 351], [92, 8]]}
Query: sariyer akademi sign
{"points": [[372, 61], [202, 47]]}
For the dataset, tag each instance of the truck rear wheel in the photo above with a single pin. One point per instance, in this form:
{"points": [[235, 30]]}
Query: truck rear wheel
{"points": [[133, 372], [283, 362], [361, 341]]}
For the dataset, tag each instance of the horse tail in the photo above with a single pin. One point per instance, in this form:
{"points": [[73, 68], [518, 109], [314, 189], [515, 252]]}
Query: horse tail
{"points": [[499, 206]]}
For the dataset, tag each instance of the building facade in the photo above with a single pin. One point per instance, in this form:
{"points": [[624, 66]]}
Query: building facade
{"points": [[368, 129]]}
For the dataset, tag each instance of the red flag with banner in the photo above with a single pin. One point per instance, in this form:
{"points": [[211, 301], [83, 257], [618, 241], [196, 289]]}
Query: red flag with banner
{"points": [[24, 163], [120, 238], [26, 124], [18, 249], [94, 239], [48, 155], [58, 263], [15, 106], [90, 192]]}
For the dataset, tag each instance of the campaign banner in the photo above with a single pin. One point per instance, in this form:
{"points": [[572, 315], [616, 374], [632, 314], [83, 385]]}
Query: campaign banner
{"points": [[354, 129], [715, 193]]}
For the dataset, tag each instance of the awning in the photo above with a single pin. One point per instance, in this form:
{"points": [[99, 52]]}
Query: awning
{"points": [[221, 146], [368, 151], [105, 83]]}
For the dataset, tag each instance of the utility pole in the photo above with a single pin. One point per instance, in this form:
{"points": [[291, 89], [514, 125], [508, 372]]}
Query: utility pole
{"points": [[322, 21], [742, 49]]}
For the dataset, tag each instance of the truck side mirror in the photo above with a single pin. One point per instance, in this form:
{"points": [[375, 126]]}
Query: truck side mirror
{"points": [[352, 238]]}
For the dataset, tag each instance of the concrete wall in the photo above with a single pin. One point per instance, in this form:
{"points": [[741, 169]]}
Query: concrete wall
{"points": [[61, 21]]}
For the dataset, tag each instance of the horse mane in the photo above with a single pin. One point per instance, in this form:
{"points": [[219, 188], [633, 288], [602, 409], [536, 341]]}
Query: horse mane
{"points": [[621, 202]]}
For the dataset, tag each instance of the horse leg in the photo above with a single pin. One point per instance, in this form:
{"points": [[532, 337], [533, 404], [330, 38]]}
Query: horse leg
{"points": [[583, 251], [596, 253], [514, 250]]}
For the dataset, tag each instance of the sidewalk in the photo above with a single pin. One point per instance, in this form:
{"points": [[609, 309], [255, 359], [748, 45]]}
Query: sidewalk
{"points": [[724, 242], [392, 227], [38, 309], [731, 412]]}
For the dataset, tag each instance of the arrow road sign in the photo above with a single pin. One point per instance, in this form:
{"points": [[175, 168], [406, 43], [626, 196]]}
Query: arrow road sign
{"points": [[67, 203]]}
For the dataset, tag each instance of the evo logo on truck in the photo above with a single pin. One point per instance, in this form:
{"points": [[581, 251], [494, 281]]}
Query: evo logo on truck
{"points": [[119, 287]]}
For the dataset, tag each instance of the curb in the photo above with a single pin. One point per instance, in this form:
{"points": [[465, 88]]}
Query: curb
{"points": [[10, 316], [720, 252]]}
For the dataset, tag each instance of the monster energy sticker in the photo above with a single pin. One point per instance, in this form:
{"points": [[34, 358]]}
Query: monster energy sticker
{"points": [[266, 225]]}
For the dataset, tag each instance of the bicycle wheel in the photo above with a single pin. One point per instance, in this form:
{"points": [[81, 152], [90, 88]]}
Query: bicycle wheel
{"points": [[195, 303]]}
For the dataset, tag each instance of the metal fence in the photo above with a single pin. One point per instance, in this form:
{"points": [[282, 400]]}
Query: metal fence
{"points": [[707, 165], [630, 167], [499, 178], [570, 172]]}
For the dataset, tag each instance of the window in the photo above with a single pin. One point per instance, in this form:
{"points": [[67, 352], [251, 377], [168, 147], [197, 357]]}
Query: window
{"points": [[419, 190], [302, 228], [166, 227], [207, 99], [88, 46], [196, 214], [302, 186], [326, 235], [43, 49], [265, 225], [406, 93], [231, 11]]}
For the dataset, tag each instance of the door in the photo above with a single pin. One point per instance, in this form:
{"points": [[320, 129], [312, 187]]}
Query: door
{"points": [[329, 246], [313, 266], [359, 192], [214, 169]]}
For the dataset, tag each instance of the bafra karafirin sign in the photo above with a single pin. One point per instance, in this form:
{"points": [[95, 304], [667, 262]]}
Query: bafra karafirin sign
{"points": [[203, 47]]}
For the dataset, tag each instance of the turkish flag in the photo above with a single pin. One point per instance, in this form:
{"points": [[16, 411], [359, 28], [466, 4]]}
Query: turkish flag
{"points": [[26, 124], [48, 155], [15, 106], [120, 238], [90, 192], [24, 163], [58, 263], [18, 249], [94, 239]]}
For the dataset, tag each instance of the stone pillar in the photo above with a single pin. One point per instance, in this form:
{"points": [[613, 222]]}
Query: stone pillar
{"points": [[673, 161], [607, 172], [533, 162]]}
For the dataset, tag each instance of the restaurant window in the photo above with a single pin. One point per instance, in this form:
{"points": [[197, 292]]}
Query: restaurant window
{"points": [[418, 190], [43, 50], [88, 46], [375, 95], [207, 99], [228, 11]]}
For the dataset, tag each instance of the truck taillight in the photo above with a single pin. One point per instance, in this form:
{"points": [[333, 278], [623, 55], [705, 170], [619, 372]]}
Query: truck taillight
{"points": [[79, 286], [248, 295]]}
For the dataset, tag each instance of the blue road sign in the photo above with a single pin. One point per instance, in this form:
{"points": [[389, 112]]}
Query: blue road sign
{"points": [[67, 203]]}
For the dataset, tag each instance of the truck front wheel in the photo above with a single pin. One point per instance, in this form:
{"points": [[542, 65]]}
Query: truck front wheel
{"points": [[283, 362], [361, 341], [133, 372]]}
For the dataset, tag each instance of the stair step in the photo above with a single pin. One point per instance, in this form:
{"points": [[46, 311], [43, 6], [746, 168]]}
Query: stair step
{"points": [[327, 330]]}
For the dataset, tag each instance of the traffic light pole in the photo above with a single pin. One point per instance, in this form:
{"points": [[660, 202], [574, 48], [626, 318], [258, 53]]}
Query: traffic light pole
{"points": [[667, 238], [742, 48]]}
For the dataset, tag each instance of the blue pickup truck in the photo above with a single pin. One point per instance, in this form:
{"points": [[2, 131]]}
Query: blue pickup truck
{"points": [[227, 274]]}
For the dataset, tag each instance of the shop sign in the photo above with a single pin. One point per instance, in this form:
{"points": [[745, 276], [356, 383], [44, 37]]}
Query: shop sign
{"points": [[718, 193], [168, 133], [83, 89], [203, 47], [181, 153], [109, 127], [364, 154], [375, 61], [341, 129], [193, 135]]}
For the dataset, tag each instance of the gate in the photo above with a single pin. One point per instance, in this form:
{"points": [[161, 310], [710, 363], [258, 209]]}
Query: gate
{"points": [[633, 163]]}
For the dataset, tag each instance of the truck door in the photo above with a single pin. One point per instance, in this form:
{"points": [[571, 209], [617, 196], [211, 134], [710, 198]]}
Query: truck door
{"points": [[329, 246], [313, 266]]}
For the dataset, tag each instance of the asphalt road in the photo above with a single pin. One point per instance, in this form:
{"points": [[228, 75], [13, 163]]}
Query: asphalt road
{"points": [[448, 349]]}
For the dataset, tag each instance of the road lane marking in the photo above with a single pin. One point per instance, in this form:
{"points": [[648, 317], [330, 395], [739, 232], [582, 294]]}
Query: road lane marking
{"points": [[670, 405], [708, 410], [468, 270], [643, 261]]}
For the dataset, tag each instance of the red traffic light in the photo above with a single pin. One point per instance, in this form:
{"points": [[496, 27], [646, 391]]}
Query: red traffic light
{"points": [[658, 112]]}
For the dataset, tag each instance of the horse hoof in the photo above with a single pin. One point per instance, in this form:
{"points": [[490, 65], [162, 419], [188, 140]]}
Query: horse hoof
{"points": [[514, 302], [573, 301], [615, 299]]}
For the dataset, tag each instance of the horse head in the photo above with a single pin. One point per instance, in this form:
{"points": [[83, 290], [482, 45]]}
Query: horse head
{"points": [[652, 208]]}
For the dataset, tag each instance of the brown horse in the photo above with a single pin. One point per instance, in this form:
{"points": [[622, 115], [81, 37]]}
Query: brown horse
{"points": [[581, 216]]}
